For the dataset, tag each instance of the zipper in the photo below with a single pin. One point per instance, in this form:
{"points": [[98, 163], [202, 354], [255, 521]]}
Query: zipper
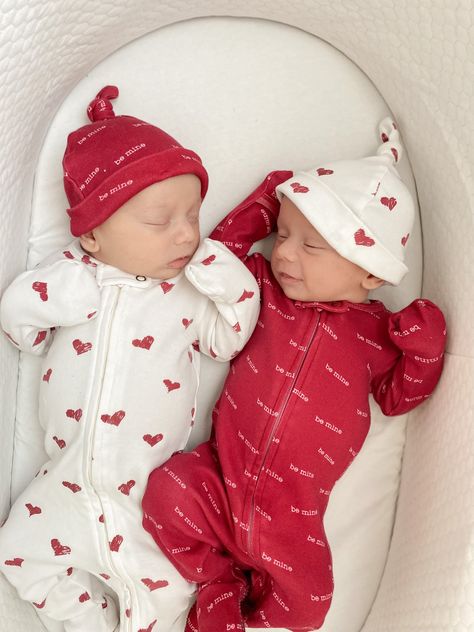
{"points": [[271, 436], [107, 332]]}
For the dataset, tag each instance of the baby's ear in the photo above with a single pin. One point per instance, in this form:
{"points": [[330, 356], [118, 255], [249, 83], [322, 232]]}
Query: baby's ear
{"points": [[89, 242], [371, 282]]}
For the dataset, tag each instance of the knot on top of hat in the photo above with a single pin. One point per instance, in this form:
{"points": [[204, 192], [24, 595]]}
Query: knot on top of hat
{"points": [[391, 144], [101, 107]]}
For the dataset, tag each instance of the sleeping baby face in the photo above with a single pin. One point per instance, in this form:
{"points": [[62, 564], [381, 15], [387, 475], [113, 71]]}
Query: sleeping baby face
{"points": [[153, 234], [308, 268]]}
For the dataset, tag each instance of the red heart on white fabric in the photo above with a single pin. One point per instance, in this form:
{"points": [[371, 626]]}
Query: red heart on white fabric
{"points": [[186, 322], [405, 239], [245, 295], [16, 561], [81, 347], [154, 585], [74, 487], [149, 628], [390, 202], [208, 260], [39, 605], [152, 439], [171, 386], [362, 239], [60, 442], [115, 419], [39, 338], [116, 543], [126, 487], [324, 172], [144, 343], [84, 597], [58, 548], [237, 328], [166, 287], [47, 375], [68, 254], [74, 414], [42, 289], [33, 509], [299, 188]]}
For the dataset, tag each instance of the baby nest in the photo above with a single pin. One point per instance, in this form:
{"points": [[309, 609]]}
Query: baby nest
{"points": [[254, 87]]}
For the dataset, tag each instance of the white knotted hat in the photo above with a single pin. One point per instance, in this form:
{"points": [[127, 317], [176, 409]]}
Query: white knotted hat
{"points": [[360, 207]]}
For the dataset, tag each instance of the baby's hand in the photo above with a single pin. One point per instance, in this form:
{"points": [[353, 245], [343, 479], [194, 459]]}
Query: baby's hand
{"points": [[419, 330]]}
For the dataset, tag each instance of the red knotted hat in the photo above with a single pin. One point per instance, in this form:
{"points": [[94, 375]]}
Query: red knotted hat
{"points": [[112, 159]]}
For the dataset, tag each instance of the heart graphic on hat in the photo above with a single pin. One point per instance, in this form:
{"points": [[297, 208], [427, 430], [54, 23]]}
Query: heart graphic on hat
{"points": [[324, 172], [166, 287], [39, 338], [144, 343], [58, 548], [209, 260], [362, 239], [152, 439], [149, 628], [74, 487], [47, 375], [115, 419], [74, 414], [84, 597], [16, 561], [299, 188], [126, 487], [405, 239], [33, 510], [116, 543], [154, 585], [39, 605], [245, 295], [42, 289], [186, 322], [171, 386], [81, 347], [61, 443], [390, 202]]}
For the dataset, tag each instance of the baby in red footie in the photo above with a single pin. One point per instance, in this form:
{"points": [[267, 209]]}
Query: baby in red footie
{"points": [[243, 514]]}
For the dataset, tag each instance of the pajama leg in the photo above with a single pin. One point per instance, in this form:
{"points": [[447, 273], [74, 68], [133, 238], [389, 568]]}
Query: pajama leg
{"points": [[43, 546], [186, 511]]}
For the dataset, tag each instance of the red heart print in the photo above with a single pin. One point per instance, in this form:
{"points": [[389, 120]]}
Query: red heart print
{"points": [[127, 613], [390, 202], [61, 443], [58, 548], [195, 345], [74, 487], [68, 254], [186, 322], [149, 628], [166, 287], [105, 576], [39, 338], [395, 153], [126, 487], [152, 439], [362, 239], [81, 347], [116, 543], [104, 604], [237, 328], [33, 509], [154, 585], [208, 260], [16, 561], [69, 571], [115, 419], [171, 386], [88, 261], [245, 295], [298, 188], [101, 518], [74, 414], [84, 597], [384, 137], [405, 239], [324, 172], [91, 315], [39, 605], [144, 343], [47, 375], [212, 353], [42, 289]]}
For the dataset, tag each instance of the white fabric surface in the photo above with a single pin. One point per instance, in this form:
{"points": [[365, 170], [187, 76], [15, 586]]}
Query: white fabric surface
{"points": [[419, 55]]}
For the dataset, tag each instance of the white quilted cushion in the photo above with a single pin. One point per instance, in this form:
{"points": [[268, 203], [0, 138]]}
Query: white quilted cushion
{"points": [[419, 55]]}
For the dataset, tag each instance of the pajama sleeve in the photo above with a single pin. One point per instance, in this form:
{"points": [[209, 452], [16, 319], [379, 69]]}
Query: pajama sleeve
{"points": [[418, 332], [230, 314], [60, 294], [253, 219]]}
